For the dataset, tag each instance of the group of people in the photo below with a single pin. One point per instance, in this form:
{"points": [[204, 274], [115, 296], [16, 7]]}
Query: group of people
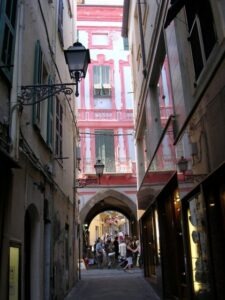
{"points": [[126, 249]]}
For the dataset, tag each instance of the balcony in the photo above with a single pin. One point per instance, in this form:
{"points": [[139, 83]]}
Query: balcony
{"points": [[119, 166], [105, 114]]}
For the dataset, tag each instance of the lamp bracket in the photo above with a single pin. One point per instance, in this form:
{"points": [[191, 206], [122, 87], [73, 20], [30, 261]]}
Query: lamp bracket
{"points": [[194, 177], [33, 94], [84, 182]]}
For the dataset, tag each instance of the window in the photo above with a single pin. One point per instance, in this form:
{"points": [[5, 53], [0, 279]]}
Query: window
{"points": [[38, 71], [125, 44], [60, 22], [14, 266], [58, 128], [101, 39], [102, 85], [7, 35], [42, 111], [104, 148], [199, 251], [202, 35]]}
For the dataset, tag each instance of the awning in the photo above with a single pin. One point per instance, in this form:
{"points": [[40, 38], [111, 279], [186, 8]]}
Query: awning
{"points": [[176, 6], [145, 197]]}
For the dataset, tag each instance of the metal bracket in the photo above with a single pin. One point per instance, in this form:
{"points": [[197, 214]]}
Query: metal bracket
{"points": [[80, 183], [194, 177], [33, 94]]}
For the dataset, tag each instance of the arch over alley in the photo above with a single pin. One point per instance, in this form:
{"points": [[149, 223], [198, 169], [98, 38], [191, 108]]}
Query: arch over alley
{"points": [[110, 200]]}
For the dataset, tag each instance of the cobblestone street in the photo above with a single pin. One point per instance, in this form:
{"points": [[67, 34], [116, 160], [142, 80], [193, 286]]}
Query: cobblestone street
{"points": [[113, 284]]}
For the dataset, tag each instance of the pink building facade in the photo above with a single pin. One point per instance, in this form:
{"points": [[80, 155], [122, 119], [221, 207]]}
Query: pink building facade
{"points": [[105, 105]]}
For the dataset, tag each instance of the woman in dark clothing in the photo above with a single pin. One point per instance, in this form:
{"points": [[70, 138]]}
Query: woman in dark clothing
{"points": [[116, 247], [130, 252]]}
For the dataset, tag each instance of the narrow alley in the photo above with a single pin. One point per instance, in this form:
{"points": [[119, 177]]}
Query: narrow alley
{"points": [[112, 149], [112, 284]]}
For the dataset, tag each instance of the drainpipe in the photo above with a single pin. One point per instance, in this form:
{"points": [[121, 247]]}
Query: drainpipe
{"points": [[142, 39]]}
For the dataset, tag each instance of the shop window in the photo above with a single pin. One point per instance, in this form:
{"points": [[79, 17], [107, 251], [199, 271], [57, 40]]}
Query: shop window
{"points": [[104, 148], [198, 246], [202, 36], [14, 272], [7, 35]]}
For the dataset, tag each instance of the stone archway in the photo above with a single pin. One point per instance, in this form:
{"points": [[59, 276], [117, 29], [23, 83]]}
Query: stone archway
{"points": [[108, 200]]}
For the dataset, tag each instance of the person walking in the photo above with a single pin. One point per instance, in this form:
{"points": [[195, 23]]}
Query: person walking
{"points": [[134, 247], [110, 254], [129, 255], [99, 253], [123, 249], [116, 247]]}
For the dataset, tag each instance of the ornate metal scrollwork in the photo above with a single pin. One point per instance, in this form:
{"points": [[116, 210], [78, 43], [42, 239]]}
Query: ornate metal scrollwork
{"points": [[32, 94], [84, 182]]}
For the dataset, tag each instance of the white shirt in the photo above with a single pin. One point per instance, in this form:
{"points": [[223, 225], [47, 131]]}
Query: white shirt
{"points": [[123, 249]]}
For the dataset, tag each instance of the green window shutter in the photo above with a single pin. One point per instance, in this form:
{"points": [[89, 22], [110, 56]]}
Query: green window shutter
{"points": [[60, 22], [8, 11], [58, 128], [50, 119], [37, 80]]}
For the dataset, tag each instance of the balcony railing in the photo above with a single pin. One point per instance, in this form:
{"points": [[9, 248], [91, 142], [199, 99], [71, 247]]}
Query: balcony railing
{"points": [[119, 166], [105, 114]]}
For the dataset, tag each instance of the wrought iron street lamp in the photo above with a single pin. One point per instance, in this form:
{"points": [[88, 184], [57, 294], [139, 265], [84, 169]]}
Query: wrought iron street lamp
{"points": [[99, 168], [182, 164], [77, 57]]}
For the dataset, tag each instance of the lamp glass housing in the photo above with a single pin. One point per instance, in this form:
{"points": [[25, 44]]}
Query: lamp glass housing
{"points": [[99, 167], [182, 164], [77, 57]]}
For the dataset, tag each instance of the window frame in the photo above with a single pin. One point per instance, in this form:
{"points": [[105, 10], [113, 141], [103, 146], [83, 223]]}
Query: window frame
{"points": [[102, 137], [196, 22], [102, 86], [43, 111], [7, 22]]}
